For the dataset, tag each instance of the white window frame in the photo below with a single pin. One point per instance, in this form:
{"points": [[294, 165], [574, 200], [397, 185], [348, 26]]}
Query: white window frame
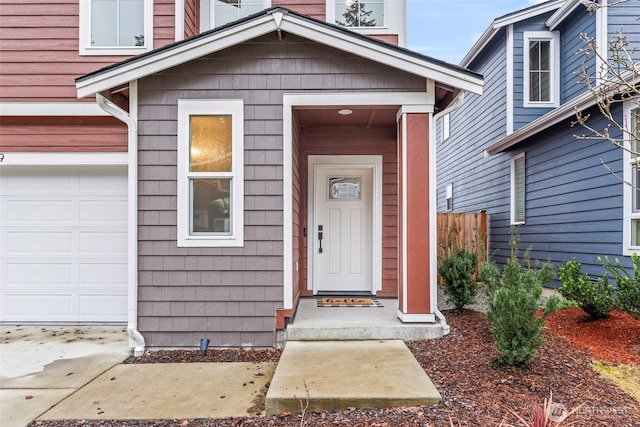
{"points": [[395, 20], [554, 63], [628, 189], [514, 220], [85, 47], [446, 129], [207, 10], [448, 203], [186, 109]]}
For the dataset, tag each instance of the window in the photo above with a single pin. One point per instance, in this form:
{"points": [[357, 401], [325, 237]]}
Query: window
{"points": [[517, 189], [116, 27], [541, 69], [359, 13], [632, 180], [210, 173], [449, 198], [445, 127], [216, 13]]}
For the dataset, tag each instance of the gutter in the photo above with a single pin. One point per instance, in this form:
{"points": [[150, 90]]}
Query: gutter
{"points": [[455, 104], [136, 340]]}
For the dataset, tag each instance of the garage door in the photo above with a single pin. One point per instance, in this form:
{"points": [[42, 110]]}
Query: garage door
{"points": [[63, 244]]}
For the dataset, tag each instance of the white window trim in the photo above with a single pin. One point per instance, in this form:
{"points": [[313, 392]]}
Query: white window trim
{"points": [[394, 20], [187, 108], [206, 11], [85, 47], [513, 189], [627, 191], [554, 38], [446, 127], [448, 196]]}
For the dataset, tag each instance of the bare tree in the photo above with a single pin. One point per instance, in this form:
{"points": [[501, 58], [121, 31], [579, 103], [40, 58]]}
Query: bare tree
{"points": [[616, 81]]}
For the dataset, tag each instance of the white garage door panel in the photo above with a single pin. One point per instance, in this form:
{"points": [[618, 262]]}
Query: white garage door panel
{"points": [[39, 211], [63, 244], [39, 243], [104, 243], [104, 274], [21, 274], [103, 307], [104, 211], [21, 306]]}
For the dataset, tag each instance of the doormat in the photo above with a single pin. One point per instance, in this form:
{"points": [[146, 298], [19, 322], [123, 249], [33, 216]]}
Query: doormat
{"points": [[348, 302]]}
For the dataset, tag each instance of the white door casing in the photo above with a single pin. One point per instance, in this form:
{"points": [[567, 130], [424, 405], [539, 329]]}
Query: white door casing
{"points": [[348, 258]]}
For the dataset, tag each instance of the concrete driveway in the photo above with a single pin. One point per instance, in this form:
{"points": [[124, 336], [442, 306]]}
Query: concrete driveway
{"points": [[42, 365]]}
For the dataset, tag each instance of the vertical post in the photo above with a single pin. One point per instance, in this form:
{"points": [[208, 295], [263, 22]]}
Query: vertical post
{"points": [[417, 244]]}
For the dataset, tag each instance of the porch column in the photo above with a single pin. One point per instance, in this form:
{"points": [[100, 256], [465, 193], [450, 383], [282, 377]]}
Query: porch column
{"points": [[416, 213]]}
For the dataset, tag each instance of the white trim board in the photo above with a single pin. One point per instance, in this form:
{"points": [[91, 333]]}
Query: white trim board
{"points": [[51, 109], [63, 159]]}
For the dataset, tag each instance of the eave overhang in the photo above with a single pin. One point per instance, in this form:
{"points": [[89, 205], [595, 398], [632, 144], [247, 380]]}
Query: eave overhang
{"points": [[562, 14], [278, 20], [506, 20]]}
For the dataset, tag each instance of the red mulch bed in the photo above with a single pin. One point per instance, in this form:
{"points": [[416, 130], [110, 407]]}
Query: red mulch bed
{"points": [[615, 339], [475, 389]]}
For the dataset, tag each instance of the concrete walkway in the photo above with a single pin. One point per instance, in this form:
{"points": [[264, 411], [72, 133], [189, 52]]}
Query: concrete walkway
{"points": [[42, 365], [68, 372]]}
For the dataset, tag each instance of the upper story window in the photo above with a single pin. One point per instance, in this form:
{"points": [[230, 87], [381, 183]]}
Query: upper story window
{"points": [[216, 13], [210, 173], [359, 13], [541, 69], [116, 27], [631, 227], [518, 189]]}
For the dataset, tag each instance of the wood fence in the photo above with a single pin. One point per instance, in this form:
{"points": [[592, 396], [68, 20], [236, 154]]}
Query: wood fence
{"points": [[458, 230]]}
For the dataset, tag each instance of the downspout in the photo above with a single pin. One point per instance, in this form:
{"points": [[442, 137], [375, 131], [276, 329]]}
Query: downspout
{"points": [[136, 340], [455, 104]]}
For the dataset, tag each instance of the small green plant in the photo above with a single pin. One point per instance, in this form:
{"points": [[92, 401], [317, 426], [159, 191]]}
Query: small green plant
{"points": [[514, 299], [628, 290], [595, 298], [456, 271]]}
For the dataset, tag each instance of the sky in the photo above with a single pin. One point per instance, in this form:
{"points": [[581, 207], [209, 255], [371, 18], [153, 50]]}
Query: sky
{"points": [[448, 29]]}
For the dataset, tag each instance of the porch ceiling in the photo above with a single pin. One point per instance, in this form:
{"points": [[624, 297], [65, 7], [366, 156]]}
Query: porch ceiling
{"points": [[360, 116]]}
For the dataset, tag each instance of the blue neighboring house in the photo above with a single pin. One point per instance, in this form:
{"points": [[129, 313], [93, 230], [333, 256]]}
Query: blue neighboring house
{"points": [[514, 153]]}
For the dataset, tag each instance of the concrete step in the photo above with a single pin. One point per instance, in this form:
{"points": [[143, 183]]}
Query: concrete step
{"points": [[334, 375], [313, 323]]}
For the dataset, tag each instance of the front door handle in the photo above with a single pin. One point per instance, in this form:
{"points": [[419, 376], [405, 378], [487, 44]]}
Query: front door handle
{"points": [[320, 239]]}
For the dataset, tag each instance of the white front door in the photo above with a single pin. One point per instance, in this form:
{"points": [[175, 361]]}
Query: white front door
{"points": [[342, 229]]}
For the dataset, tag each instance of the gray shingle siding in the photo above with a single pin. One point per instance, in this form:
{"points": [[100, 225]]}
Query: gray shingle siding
{"points": [[230, 295]]}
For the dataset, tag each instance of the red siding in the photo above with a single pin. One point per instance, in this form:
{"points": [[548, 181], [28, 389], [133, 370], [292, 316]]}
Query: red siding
{"points": [[381, 141], [191, 18], [62, 134], [39, 50], [164, 20], [314, 8]]}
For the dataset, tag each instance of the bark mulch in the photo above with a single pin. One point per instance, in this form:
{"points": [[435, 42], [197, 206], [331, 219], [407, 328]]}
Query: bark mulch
{"points": [[475, 389]]}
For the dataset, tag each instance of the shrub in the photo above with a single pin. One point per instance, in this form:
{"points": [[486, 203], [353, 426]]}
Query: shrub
{"points": [[456, 271], [628, 291], [595, 298], [513, 302]]}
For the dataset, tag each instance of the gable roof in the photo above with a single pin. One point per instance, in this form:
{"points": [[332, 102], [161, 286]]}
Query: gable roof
{"points": [[511, 18], [277, 20]]}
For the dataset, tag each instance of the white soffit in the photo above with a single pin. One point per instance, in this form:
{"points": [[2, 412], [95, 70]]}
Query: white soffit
{"points": [[146, 65]]}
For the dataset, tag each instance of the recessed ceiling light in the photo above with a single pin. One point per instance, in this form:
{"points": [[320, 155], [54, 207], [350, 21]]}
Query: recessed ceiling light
{"points": [[345, 112]]}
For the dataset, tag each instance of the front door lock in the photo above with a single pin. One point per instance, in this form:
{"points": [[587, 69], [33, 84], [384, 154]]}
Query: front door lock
{"points": [[320, 238]]}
